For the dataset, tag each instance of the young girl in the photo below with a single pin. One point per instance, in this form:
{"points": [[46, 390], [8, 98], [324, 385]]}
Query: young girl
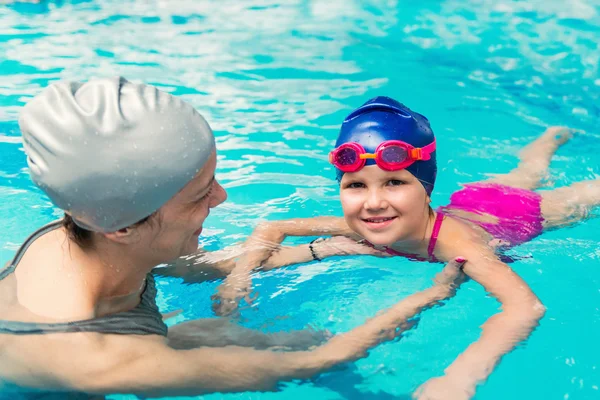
{"points": [[386, 163]]}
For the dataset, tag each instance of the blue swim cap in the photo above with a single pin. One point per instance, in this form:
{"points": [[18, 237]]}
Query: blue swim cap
{"points": [[383, 118]]}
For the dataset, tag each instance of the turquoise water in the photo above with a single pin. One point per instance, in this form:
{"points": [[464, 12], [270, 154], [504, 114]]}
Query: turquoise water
{"points": [[275, 79]]}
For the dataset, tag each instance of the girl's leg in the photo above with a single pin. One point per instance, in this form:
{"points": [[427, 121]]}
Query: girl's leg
{"points": [[534, 160], [568, 205]]}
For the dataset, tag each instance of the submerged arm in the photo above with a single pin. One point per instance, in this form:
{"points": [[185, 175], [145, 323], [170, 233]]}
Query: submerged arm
{"points": [[520, 313], [104, 364]]}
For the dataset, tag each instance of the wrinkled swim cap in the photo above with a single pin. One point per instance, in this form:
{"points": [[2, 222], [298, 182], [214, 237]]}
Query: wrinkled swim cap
{"points": [[383, 118], [110, 152]]}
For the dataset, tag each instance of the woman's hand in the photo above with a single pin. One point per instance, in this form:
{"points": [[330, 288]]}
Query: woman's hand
{"points": [[443, 388]]}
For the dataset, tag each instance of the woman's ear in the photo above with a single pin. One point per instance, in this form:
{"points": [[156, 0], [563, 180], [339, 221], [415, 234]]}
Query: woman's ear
{"points": [[132, 233], [123, 236]]}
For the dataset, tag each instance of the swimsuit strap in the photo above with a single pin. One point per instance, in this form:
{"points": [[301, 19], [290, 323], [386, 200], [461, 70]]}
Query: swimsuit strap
{"points": [[432, 242], [32, 238], [434, 234], [144, 319]]}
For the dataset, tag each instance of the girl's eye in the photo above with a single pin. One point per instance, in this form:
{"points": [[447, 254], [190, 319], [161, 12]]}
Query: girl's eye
{"points": [[395, 182], [355, 185]]}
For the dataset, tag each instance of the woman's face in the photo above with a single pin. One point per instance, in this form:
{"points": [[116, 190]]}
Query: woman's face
{"points": [[174, 231], [384, 207]]}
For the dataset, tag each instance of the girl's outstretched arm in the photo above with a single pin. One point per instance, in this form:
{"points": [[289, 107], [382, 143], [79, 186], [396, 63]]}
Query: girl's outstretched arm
{"points": [[520, 313], [209, 265], [265, 243]]}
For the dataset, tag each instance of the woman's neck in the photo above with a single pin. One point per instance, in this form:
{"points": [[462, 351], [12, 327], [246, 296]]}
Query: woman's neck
{"points": [[117, 270]]}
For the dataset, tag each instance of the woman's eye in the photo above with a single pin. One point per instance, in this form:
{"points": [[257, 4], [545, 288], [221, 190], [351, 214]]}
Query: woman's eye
{"points": [[395, 182], [206, 195]]}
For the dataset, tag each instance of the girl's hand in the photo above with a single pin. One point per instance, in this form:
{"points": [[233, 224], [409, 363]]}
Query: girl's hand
{"points": [[229, 294], [238, 284], [443, 388]]}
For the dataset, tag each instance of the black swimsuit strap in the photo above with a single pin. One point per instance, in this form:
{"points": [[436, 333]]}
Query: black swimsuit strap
{"points": [[145, 319]]}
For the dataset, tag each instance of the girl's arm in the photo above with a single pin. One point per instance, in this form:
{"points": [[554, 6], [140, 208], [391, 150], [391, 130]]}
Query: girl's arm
{"points": [[520, 313], [316, 251], [201, 266], [267, 238], [209, 265]]}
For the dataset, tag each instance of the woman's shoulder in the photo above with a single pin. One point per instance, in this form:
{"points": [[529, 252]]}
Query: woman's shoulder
{"points": [[42, 250], [44, 238]]}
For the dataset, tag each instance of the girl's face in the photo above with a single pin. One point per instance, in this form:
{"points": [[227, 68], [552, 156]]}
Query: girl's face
{"points": [[384, 207]]}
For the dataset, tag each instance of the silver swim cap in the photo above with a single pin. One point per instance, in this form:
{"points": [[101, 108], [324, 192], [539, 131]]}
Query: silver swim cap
{"points": [[111, 152]]}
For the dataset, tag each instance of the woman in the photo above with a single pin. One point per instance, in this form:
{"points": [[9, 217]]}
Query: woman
{"points": [[133, 169]]}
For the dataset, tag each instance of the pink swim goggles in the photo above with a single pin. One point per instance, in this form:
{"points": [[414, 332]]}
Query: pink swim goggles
{"points": [[390, 155]]}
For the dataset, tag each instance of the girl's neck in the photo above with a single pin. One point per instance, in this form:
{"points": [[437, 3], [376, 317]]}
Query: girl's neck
{"points": [[418, 244]]}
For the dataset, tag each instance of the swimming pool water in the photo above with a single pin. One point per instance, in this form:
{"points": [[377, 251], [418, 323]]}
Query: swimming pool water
{"points": [[275, 79]]}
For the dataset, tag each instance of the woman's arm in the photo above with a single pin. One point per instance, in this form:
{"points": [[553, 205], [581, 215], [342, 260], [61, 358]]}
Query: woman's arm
{"points": [[520, 313], [95, 363]]}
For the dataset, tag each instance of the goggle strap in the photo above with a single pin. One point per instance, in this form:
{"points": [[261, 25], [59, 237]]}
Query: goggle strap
{"points": [[416, 154], [423, 153]]}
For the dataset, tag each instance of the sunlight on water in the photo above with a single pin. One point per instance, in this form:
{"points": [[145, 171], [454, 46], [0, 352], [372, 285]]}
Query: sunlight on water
{"points": [[275, 79]]}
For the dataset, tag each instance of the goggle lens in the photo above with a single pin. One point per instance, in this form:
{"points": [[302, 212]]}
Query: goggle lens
{"points": [[346, 157], [394, 154]]}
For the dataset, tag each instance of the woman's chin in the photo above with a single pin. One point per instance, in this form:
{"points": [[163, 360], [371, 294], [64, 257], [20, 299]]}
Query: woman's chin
{"points": [[191, 247]]}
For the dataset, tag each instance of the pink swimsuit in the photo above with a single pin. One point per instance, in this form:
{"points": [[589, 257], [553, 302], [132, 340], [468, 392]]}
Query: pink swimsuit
{"points": [[518, 211]]}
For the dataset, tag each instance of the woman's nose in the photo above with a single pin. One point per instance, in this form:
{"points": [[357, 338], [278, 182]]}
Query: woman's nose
{"points": [[220, 195]]}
